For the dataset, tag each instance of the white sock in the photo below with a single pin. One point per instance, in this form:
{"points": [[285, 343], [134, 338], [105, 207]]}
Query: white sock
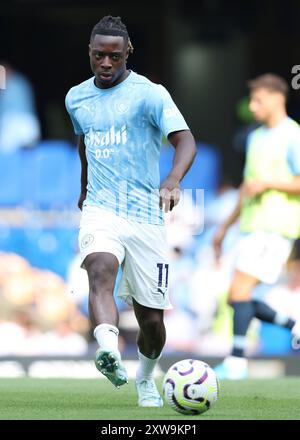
{"points": [[146, 367], [280, 319], [107, 337], [235, 362]]}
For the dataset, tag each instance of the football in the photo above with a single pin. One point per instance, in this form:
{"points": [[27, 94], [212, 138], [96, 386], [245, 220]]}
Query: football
{"points": [[190, 387]]}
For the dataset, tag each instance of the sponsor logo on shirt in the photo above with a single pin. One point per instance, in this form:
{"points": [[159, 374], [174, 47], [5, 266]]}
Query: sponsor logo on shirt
{"points": [[104, 139]]}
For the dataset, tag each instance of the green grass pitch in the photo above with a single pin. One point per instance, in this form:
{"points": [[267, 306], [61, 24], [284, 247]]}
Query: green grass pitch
{"points": [[69, 399]]}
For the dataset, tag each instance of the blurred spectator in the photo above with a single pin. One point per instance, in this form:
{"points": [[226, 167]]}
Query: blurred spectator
{"points": [[180, 321], [185, 220], [37, 316], [19, 124], [285, 295], [11, 338], [217, 209], [63, 340]]}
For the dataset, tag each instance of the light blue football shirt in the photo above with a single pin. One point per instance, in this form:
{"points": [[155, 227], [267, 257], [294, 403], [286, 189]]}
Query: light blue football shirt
{"points": [[122, 128]]}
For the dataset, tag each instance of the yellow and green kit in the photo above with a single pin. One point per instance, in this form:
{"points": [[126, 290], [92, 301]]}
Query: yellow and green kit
{"points": [[273, 155]]}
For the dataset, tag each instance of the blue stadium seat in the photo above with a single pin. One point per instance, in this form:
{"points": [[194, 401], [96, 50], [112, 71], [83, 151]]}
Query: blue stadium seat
{"points": [[74, 180], [203, 174], [12, 240], [46, 248], [11, 167], [47, 170], [274, 340], [51, 248]]}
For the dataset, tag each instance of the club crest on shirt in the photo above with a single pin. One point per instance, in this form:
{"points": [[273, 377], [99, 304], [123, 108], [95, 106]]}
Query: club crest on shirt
{"points": [[87, 240], [122, 107]]}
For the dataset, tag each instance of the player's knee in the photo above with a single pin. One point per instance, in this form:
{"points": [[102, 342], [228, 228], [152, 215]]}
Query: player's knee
{"points": [[153, 327], [237, 291], [238, 295]]}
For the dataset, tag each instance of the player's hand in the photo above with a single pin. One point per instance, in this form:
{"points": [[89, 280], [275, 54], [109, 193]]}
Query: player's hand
{"points": [[169, 193], [217, 242], [252, 189], [82, 198]]}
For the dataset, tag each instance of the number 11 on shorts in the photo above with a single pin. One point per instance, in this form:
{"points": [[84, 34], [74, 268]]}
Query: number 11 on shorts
{"points": [[163, 275]]}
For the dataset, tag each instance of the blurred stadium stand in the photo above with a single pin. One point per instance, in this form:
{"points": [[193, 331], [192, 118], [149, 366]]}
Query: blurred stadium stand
{"points": [[11, 165], [45, 177], [49, 166], [48, 176]]}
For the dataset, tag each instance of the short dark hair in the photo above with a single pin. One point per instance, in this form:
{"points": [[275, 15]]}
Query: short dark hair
{"points": [[271, 82], [114, 26]]}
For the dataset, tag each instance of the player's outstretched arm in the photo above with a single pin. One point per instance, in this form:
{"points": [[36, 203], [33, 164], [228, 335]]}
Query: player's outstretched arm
{"points": [[255, 187], [185, 152], [82, 156]]}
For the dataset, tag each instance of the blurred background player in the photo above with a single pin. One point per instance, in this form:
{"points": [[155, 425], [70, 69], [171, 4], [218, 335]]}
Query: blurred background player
{"points": [[269, 212], [120, 117], [19, 122]]}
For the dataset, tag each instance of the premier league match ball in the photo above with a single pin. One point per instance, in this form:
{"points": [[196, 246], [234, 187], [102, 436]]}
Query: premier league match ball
{"points": [[191, 387]]}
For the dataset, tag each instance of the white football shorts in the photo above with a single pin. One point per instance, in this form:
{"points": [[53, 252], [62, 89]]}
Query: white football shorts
{"points": [[140, 248], [263, 255]]}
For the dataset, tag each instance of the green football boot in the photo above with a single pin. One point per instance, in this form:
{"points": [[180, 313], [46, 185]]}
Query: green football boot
{"points": [[110, 364]]}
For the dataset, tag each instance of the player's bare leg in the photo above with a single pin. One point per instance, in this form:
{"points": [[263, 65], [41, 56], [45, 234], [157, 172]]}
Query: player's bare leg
{"points": [[102, 270], [151, 340]]}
